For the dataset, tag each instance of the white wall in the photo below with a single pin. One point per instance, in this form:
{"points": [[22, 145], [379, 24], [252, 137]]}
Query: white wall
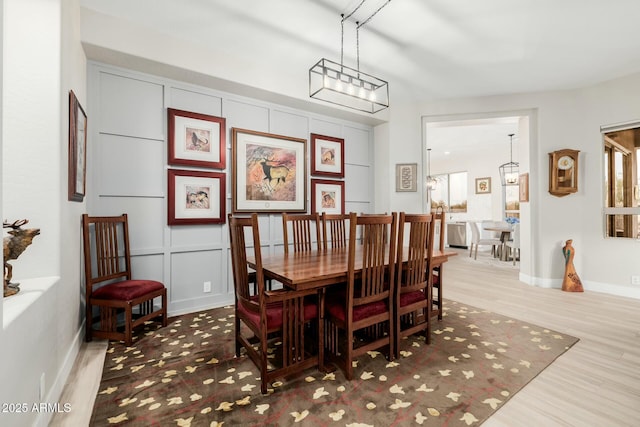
{"points": [[42, 60], [128, 166], [565, 119]]}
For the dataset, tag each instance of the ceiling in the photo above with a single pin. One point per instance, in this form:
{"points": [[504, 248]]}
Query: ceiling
{"points": [[425, 49]]}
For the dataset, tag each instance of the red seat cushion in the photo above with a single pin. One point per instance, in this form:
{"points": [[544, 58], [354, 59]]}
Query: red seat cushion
{"points": [[409, 298], [336, 307], [274, 313], [436, 279], [127, 289]]}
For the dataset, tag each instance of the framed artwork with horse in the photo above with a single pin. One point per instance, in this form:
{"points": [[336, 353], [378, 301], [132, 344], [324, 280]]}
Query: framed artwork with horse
{"points": [[269, 172], [196, 139]]}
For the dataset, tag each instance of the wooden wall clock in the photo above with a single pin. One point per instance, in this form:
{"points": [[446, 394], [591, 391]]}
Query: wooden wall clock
{"points": [[563, 172]]}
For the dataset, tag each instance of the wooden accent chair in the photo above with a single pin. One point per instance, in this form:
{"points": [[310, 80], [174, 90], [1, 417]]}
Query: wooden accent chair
{"points": [[360, 318], [414, 282], [301, 228], [276, 320], [109, 283], [334, 230], [436, 269]]}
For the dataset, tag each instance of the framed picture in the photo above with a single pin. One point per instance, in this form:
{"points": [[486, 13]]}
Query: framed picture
{"points": [[327, 156], [483, 185], [523, 183], [327, 196], [196, 197], [196, 139], [77, 149], [269, 172], [406, 177]]}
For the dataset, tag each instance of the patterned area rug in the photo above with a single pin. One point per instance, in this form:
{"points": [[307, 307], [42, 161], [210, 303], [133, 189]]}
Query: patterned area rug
{"points": [[186, 375]]}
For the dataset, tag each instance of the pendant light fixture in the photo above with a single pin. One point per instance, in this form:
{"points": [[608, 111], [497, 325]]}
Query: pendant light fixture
{"points": [[349, 87], [509, 171]]}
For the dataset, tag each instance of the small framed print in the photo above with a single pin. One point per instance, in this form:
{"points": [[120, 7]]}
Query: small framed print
{"points": [[406, 177], [327, 156], [269, 172], [483, 185], [196, 197], [523, 183], [77, 149], [196, 139], [327, 196]]}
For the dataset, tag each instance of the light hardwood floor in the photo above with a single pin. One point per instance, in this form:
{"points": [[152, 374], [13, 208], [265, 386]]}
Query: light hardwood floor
{"points": [[595, 383]]}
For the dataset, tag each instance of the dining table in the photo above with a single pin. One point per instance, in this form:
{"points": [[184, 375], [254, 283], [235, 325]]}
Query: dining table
{"points": [[317, 269], [505, 233]]}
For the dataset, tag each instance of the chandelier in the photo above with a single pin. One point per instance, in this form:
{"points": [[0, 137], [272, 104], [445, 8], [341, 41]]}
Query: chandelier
{"points": [[346, 86], [509, 171]]}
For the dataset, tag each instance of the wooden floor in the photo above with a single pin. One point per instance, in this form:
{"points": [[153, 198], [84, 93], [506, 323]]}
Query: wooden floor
{"points": [[596, 383]]}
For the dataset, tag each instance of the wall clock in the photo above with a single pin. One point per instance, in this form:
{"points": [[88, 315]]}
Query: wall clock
{"points": [[563, 172]]}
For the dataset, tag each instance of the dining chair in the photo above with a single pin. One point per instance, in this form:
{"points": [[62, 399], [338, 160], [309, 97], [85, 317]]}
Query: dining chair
{"points": [[437, 269], [334, 230], [109, 282], [278, 321], [302, 227], [359, 318], [413, 294], [476, 240], [514, 244]]}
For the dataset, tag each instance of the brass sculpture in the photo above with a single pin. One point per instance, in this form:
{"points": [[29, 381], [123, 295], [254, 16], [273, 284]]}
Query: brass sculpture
{"points": [[14, 245]]}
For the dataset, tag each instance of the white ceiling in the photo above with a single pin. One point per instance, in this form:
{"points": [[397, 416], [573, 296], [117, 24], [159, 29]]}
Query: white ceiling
{"points": [[426, 49]]}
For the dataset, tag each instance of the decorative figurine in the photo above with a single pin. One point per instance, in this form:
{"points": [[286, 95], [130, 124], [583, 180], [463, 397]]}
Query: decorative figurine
{"points": [[14, 245], [571, 281]]}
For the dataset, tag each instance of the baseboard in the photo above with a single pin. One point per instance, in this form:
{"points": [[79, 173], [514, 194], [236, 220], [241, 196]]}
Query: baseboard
{"points": [[588, 285]]}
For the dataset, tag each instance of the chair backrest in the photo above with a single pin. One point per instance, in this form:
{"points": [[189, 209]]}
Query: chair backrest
{"points": [[378, 258], [334, 230], [301, 231], [238, 243], [106, 249], [412, 268], [488, 234], [439, 221], [475, 231], [516, 235]]}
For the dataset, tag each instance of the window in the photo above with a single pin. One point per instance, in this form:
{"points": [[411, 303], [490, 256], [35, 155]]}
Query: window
{"points": [[622, 183], [450, 192]]}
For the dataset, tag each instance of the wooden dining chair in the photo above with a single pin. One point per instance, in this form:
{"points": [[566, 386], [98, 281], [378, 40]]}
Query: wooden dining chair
{"points": [[304, 228], [413, 296], [334, 230], [359, 318], [437, 269], [282, 321], [110, 285]]}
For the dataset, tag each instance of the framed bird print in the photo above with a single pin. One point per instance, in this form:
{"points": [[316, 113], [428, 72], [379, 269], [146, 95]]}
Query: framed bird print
{"points": [[196, 139]]}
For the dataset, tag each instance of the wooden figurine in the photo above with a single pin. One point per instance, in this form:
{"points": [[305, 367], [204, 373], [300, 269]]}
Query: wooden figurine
{"points": [[571, 281], [13, 246]]}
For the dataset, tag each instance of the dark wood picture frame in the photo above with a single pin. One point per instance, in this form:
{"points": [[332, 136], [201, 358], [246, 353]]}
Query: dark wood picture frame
{"points": [[327, 156], [196, 139], [269, 172], [327, 196], [196, 197], [77, 149]]}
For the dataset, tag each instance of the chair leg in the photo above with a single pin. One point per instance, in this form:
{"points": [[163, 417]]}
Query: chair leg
{"points": [[164, 309], [128, 321]]}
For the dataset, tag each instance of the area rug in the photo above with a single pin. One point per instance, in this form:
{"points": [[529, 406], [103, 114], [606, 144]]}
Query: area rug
{"points": [[186, 374]]}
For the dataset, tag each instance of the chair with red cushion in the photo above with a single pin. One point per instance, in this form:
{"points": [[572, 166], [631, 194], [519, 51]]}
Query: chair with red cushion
{"points": [[413, 283], [359, 318], [109, 283], [436, 269], [304, 228], [334, 230], [282, 321]]}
